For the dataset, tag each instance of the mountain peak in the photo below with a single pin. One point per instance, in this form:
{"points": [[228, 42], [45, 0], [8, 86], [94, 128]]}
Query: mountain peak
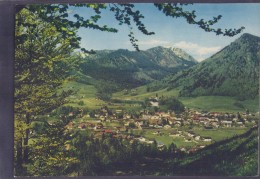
{"points": [[173, 51], [157, 48], [234, 71], [247, 36]]}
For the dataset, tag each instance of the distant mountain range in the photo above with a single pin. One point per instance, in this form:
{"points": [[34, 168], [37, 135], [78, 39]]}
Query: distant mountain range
{"points": [[129, 69], [233, 71]]}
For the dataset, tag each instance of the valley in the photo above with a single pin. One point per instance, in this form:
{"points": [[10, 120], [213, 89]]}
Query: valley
{"points": [[114, 96], [135, 89]]}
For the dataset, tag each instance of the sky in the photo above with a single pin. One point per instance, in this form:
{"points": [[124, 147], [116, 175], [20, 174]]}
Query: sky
{"points": [[175, 32]]}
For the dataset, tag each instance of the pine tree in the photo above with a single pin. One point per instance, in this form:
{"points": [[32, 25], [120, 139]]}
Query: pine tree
{"points": [[42, 61]]}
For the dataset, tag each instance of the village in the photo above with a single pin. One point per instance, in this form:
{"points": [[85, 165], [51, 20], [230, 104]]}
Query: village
{"points": [[148, 127]]}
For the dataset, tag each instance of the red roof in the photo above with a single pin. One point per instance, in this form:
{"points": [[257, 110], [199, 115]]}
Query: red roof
{"points": [[108, 131]]}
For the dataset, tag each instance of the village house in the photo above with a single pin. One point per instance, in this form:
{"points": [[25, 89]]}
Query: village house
{"points": [[207, 139], [108, 131], [160, 145], [240, 124], [156, 133], [167, 127], [118, 111], [174, 134], [154, 104], [141, 139], [188, 140], [197, 138], [97, 115], [140, 121], [98, 126], [201, 146], [127, 116], [226, 123], [149, 142], [120, 129], [191, 133], [235, 119], [183, 149], [137, 124], [177, 123]]}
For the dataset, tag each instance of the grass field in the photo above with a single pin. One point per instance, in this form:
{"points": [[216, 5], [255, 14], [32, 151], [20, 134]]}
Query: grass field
{"points": [[167, 140], [211, 103], [220, 134], [141, 94], [83, 92], [219, 103], [207, 103], [215, 134], [87, 94]]}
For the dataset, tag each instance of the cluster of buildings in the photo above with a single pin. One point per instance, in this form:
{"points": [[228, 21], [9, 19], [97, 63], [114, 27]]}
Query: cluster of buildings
{"points": [[117, 123]]}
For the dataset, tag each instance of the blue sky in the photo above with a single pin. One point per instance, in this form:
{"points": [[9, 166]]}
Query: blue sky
{"points": [[171, 32]]}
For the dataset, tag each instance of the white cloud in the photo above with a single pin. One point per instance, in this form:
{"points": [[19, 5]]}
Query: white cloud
{"points": [[154, 42], [199, 52]]}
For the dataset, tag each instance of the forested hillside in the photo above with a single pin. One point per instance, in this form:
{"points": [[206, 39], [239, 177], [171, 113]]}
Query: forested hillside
{"points": [[234, 71], [236, 156], [128, 69]]}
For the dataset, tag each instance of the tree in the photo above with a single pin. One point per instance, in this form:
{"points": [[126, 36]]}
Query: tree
{"points": [[132, 125], [172, 148], [173, 104], [42, 61], [83, 147], [50, 154]]}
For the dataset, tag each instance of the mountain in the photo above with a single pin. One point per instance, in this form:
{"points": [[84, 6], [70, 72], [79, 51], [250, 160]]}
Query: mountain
{"points": [[129, 69], [233, 71]]}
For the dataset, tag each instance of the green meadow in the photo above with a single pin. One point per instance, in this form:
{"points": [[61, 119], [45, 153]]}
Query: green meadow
{"points": [[204, 103], [131, 100]]}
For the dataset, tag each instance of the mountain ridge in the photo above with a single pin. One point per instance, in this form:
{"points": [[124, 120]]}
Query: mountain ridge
{"points": [[131, 69], [233, 71]]}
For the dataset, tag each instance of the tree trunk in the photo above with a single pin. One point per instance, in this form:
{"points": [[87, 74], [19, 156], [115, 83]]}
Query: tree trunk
{"points": [[26, 140], [19, 157]]}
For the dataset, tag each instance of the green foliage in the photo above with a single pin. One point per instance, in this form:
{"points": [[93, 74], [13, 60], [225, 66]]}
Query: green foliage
{"points": [[219, 103], [232, 157], [42, 61], [81, 103], [68, 111], [49, 155], [132, 125], [39, 126], [172, 104], [239, 104], [106, 155], [104, 90]]}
